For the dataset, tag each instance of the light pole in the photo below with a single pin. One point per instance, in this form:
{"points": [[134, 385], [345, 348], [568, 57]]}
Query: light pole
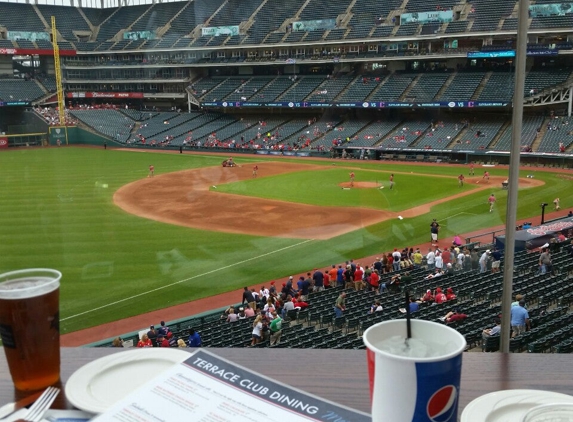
{"points": [[543, 205]]}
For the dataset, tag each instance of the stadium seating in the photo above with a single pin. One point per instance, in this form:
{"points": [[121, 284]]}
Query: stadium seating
{"points": [[528, 133], [20, 17], [487, 14], [405, 134], [427, 86], [462, 87], [441, 136], [560, 132], [68, 20], [393, 88], [19, 90], [345, 130], [110, 123], [302, 89], [329, 89], [358, 90], [470, 139]]}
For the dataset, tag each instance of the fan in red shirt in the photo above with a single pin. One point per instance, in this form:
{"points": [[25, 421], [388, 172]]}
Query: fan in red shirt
{"points": [[326, 279], [439, 297], [358, 273], [453, 316], [374, 280], [450, 294]]}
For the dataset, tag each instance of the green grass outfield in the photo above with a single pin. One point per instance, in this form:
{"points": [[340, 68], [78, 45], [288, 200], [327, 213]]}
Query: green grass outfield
{"points": [[57, 212]]}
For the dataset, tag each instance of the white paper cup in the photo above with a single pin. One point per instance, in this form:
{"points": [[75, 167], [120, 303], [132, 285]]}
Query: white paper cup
{"points": [[406, 389]]}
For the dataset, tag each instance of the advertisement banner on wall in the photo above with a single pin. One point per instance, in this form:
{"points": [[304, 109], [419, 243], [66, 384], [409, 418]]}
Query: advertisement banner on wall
{"points": [[425, 17], [314, 25], [3, 142], [215, 31], [33, 52], [550, 9], [104, 94], [139, 35], [25, 35], [58, 135]]}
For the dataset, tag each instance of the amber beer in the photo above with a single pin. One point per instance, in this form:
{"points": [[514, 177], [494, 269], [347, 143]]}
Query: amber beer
{"points": [[29, 326]]}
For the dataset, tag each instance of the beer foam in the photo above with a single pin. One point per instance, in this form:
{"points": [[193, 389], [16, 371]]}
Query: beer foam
{"points": [[414, 347], [26, 287]]}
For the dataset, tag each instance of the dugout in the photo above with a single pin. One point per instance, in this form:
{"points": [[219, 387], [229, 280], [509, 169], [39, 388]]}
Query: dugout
{"points": [[535, 237]]}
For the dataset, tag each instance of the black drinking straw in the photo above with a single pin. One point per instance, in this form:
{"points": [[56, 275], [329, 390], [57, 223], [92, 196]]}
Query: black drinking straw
{"points": [[408, 317]]}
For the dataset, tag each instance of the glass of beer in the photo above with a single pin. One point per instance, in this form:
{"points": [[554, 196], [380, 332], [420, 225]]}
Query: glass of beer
{"points": [[29, 326]]}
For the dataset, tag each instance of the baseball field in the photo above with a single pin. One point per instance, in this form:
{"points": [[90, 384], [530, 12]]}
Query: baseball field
{"points": [[128, 244]]}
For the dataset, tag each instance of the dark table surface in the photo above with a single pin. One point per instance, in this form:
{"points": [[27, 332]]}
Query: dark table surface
{"points": [[341, 375]]}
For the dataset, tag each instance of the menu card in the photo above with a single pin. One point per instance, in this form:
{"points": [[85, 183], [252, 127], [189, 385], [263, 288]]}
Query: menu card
{"points": [[207, 388]]}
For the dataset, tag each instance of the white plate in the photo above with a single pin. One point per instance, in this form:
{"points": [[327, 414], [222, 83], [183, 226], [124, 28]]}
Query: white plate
{"points": [[101, 383], [509, 405]]}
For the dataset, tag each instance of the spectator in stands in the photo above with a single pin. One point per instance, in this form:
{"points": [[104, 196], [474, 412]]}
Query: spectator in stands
{"points": [[446, 257], [257, 333], [171, 339], [545, 263], [241, 313], [439, 296], [396, 256], [495, 260], [414, 306], [518, 298], [417, 258], [431, 259], [427, 298], [227, 311], [457, 240], [194, 338], [232, 317], [484, 259], [348, 277], [264, 293], [439, 261], [275, 329], [376, 307], [162, 341], [288, 306], [450, 295], [494, 331], [519, 319], [152, 335], [181, 343], [299, 303], [326, 279], [248, 298], [460, 260], [358, 274], [249, 312], [340, 305], [117, 342], [144, 341], [453, 316], [306, 286], [163, 329], [318, 280], [474, 258], [373, 281], [467, 260]]}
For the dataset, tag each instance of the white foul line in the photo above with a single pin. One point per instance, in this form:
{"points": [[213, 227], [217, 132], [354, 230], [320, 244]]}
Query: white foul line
{"points": [[184, 280]]}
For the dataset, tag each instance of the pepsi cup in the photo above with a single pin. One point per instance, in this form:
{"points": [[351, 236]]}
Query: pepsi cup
{"points": [[414, 389]]}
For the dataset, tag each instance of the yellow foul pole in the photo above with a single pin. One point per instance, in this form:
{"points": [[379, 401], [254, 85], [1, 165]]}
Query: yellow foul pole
{"points": [[58, 72]]}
